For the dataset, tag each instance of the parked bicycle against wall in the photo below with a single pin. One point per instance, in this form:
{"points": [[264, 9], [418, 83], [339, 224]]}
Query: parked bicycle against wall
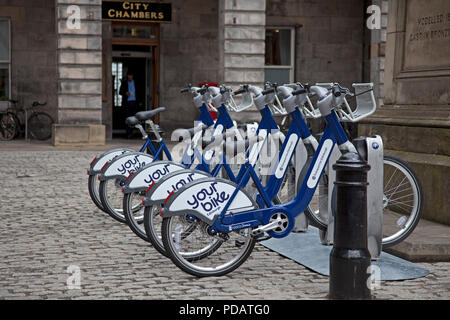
{"points": [[7, 126], [28, 121]]}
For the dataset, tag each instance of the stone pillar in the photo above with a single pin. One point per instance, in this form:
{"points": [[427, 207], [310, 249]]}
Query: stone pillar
{"points": [[415, 118], [242, 43], [378, 51], [79, 73]]}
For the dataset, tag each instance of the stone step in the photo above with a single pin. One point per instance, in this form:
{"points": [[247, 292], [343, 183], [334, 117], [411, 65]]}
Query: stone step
{"points": [[430, 242]]}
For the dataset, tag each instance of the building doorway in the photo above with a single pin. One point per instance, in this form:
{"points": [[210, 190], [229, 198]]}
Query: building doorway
{"points": [[135, 50]]}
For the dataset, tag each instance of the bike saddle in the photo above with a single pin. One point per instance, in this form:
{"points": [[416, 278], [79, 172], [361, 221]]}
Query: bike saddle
{"points": [[37, 103], [131, 121], [13, 101], [145, 115]]}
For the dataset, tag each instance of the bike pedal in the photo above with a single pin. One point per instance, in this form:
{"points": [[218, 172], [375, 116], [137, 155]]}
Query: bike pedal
{"points": [[262, 237]]}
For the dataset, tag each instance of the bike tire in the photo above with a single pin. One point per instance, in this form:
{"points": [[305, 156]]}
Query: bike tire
{"points": [[414, 215], [93, 188], [188, 266], [113, 211], [417, 200], [131, 220], [8, 126], [40, 126]]}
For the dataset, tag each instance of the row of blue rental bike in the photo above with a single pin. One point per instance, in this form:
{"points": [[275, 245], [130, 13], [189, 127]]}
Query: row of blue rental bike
{"points": [[224, 187]]}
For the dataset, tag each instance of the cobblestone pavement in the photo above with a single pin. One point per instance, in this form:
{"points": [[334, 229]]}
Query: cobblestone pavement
{"points": [[49, 223]]}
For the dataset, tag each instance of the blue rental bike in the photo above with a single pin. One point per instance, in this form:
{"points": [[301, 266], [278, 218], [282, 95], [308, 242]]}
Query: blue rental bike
{"points": [[157, 193], [142, 180], [223, 211], [156, 149]]}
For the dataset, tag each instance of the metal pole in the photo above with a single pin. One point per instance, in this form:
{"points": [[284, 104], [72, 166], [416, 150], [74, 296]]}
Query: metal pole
{"points": [[350, 258]]}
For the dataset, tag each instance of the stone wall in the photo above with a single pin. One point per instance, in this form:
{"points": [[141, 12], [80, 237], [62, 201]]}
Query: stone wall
{"points": [[33, 51], [378, 52], [329, 37], [189, 53], [414, 120]]}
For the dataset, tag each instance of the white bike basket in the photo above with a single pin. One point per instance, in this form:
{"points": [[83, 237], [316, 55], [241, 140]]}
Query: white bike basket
{"points": [[365, 104], [246, 102]]}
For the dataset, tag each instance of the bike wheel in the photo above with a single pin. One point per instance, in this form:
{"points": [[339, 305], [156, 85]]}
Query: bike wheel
{"points": [[152, 225], [133, 210], [93, 186], [319, 199], [111, 196], [40, 125], [201, 254], [402, 200], [8, 126]]}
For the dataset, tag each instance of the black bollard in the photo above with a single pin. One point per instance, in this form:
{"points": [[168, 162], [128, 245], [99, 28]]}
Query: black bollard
{"points": [[350, 257]]}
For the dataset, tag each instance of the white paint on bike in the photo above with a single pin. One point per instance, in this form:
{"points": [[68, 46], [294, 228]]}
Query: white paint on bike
{"points": [[208, 198], [218, 130], [174, 183], [195, 139], [286, 156], [256, 149], [125, 165], [152, 173], [106, 158], [321, 161]]}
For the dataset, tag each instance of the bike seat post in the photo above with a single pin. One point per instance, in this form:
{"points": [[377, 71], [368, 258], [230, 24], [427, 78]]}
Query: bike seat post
{"points": [[141, 129], [152, 125]]}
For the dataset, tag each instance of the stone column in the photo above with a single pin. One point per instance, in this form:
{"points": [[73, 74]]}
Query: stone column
{"points": [[242, 43], [378, 52], [79, 73], [415, 118]]}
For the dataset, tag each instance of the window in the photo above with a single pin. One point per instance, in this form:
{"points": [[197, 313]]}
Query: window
{"points": [[279, 57], [5, 60]]}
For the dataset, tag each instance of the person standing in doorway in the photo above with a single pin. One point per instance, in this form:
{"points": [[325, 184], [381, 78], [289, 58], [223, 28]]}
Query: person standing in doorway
{"points": [[128, 92]]}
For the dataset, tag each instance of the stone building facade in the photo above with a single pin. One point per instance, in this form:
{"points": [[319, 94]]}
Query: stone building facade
{"points": [[66, 53]]}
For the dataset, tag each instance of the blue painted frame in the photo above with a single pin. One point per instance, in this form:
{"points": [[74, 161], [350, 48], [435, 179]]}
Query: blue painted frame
{"points": [[334, 133]]}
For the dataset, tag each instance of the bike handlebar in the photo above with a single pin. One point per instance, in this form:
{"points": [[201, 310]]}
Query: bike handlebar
{"points": [[267, 91]]}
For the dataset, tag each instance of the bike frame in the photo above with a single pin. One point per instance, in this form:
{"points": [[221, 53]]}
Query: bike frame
{"points": [[333, 134]]}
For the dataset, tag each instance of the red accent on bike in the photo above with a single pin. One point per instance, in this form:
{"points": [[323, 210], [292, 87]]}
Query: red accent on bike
{"points": [[160, 212], [90, 165], [129, 176], [104, 165], [143, 201], [167, 199], [153, 183], [211, 84]]}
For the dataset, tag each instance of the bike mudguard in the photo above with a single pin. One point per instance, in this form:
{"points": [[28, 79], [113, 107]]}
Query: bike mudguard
{"points": [[124, 165], [206, 198], [99, 161], [151, 173], [171, 183]]}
